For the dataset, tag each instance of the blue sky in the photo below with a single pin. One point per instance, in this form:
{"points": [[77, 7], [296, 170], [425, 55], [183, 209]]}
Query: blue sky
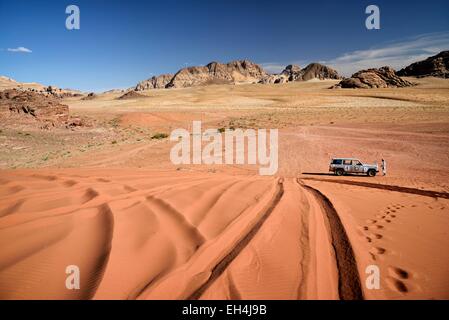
{"points": [[123, 42]]}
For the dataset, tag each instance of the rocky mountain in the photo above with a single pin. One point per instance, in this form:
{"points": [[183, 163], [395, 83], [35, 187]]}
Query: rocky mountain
{"points": [[317, 71], [384, 77], [239, 71], [158, 82], [295, 73], [22, 107], [436, 66]]}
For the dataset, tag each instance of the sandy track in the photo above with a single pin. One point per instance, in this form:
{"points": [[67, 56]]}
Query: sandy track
{"points": [[290, 257], [349, 287], [224, 263]]}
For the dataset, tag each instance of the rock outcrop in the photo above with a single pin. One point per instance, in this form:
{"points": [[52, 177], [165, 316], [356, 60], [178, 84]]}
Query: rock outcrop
{"points": [[90, 96], [8, 83], [274, 79], [131, 95], [295, 73], [317, 71], [384, 77], [436, 66], [158, 82], [27, 106], [291, 72], [239, 71]]}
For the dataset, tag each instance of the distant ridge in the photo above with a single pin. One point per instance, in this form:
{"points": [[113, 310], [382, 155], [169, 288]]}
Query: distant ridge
{"points": [[235, 72]]}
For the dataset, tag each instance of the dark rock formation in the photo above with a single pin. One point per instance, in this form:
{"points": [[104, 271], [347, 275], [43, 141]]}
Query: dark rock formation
{"points": [[384, 77], [436, 66], [131, 95], [90, 96]]}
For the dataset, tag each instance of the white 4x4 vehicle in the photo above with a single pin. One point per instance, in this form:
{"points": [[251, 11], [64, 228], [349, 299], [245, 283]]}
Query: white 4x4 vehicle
{"points": [[341, 166]]}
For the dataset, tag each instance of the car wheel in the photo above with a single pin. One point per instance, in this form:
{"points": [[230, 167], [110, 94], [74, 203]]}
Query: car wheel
{"points": [[339, 172], [371, 173]]}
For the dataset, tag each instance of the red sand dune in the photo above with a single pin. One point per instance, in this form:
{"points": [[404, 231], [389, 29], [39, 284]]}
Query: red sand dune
{"points": [[142, 234]]}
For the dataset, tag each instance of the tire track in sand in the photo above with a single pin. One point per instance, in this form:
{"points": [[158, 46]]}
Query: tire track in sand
{"points": [[226, 261], [349, 287], [426, 193]]}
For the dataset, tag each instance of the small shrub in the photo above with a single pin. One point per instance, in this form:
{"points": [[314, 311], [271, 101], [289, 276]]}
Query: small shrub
{"points": [[159, 136]]}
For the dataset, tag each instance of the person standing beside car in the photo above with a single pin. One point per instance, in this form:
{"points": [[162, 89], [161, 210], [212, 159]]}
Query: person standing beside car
{"points": [[384, 167]]}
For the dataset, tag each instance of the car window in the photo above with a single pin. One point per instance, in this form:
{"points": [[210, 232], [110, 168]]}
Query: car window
{"points": [[356, 163], [337, 161], [347, 162]]}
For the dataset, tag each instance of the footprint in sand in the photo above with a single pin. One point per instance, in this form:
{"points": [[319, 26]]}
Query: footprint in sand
{"points": [[396, 279], [398, 273], [370, 237], [396, 285], [385, 217], [377, 250], [69, 183]]}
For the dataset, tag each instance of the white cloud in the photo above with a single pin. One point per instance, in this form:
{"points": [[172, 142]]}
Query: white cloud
{"points": [[20, 49], [394, 54]]}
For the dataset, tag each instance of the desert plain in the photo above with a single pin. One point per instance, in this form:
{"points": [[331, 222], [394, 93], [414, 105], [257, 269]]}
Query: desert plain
{"points": [[105, 197]]}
